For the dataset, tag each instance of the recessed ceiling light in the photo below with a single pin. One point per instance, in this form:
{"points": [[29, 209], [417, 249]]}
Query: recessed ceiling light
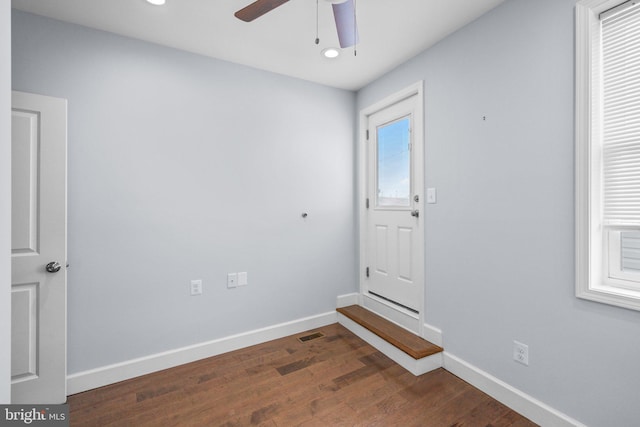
{"points": [[330, 52], [156, 2]]}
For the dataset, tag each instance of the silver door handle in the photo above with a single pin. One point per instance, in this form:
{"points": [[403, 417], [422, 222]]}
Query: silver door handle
{"points": [[53, 267], [415, 213]]}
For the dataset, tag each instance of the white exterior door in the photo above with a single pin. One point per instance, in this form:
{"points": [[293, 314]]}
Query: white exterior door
{"points": [[38, 242], [394, 196]]}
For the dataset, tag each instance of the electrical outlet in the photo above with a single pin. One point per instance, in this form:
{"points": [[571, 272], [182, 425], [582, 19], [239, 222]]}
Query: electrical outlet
{"points": [[232, 280], [196, 287], [521, 353]]}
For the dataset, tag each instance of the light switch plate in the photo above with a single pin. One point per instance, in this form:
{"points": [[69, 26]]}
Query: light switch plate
{"points": [[196, 287], [242, 279], [431, 195]]}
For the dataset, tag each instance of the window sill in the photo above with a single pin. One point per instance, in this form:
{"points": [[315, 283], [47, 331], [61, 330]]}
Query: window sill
{"points": [[625, 298]]}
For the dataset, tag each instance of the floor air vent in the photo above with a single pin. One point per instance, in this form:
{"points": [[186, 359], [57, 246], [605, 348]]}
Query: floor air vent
{"points": [[313, 336]]}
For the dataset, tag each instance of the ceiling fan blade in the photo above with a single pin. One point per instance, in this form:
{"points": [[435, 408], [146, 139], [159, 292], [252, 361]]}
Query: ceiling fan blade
{"points": [[257, 9], [344, 15]]}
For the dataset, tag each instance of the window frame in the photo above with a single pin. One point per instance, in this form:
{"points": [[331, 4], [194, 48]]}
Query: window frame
{"points": [[591, 238]]}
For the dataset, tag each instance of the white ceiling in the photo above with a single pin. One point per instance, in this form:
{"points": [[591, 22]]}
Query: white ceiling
{"points": [[283, 40]]}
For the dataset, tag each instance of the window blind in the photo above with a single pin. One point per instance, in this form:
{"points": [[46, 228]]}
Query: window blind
{"points": [[621, 115]]}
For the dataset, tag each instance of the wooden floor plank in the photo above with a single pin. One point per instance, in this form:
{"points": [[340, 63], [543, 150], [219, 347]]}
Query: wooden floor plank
{"points": [[334, 380]]}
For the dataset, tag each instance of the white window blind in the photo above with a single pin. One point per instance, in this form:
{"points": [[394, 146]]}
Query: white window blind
{"points": [[621, 114]]}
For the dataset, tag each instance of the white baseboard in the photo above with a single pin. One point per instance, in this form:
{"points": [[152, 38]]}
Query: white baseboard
{"points": [[99, 377], [432, 334], [348, 299], [416, 367], [537, 411]]}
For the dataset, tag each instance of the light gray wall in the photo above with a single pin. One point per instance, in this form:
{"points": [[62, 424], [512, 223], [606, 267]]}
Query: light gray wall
{"points": [[5, 202], [183, 167], [500, 240]]}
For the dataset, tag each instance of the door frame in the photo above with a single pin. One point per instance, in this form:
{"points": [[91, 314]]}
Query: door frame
{"points": [[406, 318]]}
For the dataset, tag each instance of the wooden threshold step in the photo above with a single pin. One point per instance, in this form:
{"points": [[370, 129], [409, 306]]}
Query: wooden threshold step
{"points": [[401, 338]]}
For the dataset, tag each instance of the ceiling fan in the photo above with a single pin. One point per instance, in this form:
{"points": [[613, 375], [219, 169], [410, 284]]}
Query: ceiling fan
{"points": [[343, 13]]}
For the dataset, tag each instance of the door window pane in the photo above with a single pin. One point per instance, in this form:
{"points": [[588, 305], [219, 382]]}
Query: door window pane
{"points": [[394, 164]]}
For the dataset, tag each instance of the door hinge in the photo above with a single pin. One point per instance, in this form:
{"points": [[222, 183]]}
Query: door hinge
{"points": [[367, 134], [367, 203], [367, 272]]}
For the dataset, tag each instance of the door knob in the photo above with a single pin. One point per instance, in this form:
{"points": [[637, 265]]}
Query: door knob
{"points": [[415, 213], [53, 267]]}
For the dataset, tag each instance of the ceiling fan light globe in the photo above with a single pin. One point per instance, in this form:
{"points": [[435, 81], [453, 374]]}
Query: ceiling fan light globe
{"points": [[330, 52]]}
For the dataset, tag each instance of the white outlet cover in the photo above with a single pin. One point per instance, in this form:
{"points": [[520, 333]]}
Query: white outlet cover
{"points": [[521, 353], [232, 280]]}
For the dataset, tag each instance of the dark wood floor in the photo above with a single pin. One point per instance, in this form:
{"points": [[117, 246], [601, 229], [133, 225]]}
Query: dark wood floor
{"points": [[335, 380]]}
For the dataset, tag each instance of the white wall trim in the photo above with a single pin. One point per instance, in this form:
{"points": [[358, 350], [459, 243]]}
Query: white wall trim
{"points": [[105, 375], [5, 202], [432, 334], [416, 367], [348, 299], [537, 411]]}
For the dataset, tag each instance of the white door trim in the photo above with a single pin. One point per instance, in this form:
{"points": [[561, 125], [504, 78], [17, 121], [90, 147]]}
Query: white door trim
{"points": [[392, 312]]}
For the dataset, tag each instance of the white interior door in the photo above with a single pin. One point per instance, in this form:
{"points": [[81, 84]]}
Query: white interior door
{"points": [[394, 221], [38, 238]]}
